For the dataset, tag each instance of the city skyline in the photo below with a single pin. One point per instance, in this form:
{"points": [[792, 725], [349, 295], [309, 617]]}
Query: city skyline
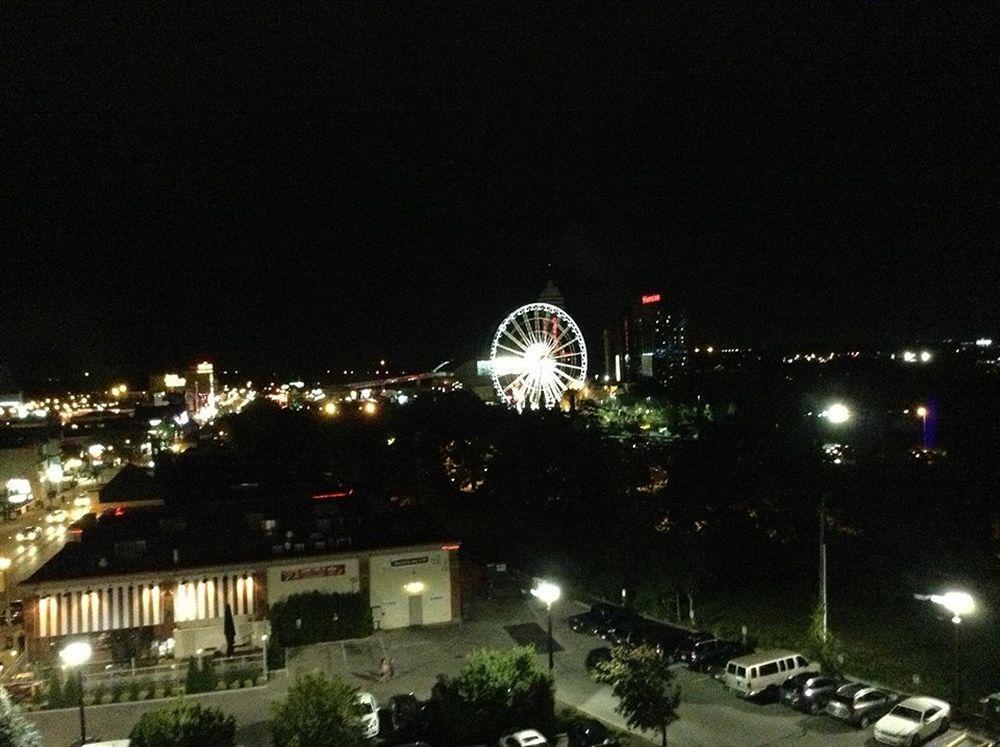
{"points": [[196, 185]]}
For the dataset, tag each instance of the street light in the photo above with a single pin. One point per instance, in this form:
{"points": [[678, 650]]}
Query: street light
{"points": [[75, 655], [837, 414], [5, 564], [922, 414], [960, 604], [549, 593]]}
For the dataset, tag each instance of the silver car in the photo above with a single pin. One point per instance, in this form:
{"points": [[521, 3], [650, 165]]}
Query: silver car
{"points": [[860, 705]]}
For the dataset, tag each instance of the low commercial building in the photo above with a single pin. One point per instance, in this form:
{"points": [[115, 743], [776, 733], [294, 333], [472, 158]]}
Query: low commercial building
{"points": [[166, 577]]}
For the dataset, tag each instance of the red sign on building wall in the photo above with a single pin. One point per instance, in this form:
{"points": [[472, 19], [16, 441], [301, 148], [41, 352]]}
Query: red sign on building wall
{"points": [[651, 298], [300, 574]]}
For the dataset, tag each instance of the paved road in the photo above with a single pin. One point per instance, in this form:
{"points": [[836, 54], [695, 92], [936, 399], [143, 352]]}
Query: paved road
{"points": [[709, 715]]}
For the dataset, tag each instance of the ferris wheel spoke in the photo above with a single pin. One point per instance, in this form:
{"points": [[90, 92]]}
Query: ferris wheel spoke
{"points": [[566, 376], [523, 348], [572, 341], [525, 335], [553, 392], [561, 335], [518, 353], [513, 383]]}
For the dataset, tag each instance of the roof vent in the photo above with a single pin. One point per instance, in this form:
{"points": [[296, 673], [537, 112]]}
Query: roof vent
{"points": [[177, 556]]}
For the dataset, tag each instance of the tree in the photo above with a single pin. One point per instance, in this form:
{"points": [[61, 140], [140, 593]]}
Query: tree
{"points": [[644, 685], [319, 711], [15, 730], [184, 723], [497, 692], [229, 629]]}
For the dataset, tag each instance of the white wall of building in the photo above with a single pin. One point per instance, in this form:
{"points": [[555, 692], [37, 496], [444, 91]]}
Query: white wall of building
{"points": [[328, 575], [397, 577]]}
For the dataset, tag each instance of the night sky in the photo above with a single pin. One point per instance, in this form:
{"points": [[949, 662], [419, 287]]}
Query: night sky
{"points": [[306, 185]]}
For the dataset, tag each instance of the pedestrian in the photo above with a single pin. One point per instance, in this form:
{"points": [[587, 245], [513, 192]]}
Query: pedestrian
{"points": [[384, 669], [392, 669]]}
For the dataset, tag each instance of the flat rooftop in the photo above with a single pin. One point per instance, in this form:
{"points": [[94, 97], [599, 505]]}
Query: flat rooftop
{"points": [[161, 538]]}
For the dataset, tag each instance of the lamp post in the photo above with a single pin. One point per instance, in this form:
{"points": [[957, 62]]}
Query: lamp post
{"points": [[960, 604], [548, 593], [75, 655], [5, 564], [922, 414], [263, 645], [837, 414]]}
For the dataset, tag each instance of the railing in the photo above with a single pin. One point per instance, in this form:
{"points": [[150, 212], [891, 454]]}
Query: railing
{"points": [[172, 673]]}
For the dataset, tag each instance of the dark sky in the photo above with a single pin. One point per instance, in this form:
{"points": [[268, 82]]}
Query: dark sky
{"points": [[298, 185]]}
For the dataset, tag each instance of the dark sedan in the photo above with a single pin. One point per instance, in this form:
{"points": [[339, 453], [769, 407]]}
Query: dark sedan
{"points": [[708, 655], [598, 618], [590, 733]]}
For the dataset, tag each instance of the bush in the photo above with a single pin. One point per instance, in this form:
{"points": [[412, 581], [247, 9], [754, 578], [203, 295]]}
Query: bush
{"points": [[495, 693], [319, 711], [184, 723], [325, 617], [201, 679], [15, 731], [55, 688]]}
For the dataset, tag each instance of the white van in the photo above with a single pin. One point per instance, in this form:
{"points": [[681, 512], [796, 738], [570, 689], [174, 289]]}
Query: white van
{"points": [[754, 673]]}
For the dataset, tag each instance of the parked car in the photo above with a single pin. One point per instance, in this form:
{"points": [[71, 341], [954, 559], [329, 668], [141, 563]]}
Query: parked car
{"points": [[809, 691], [705, 655], [588, 622], [617, 617], [913, 722], [590, 733], [408, 716], [627, 632], [59, 515], [686, 646], [28, 534], [665, 639], [525, 738], [367, 709], [595, 657], [860, 705], [754, 674]]}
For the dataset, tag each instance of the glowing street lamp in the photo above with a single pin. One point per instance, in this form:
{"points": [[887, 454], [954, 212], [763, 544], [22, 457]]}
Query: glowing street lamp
{"points": [[837, 413], [549, 593], [75, 655], [960, 604], [922, 414]]}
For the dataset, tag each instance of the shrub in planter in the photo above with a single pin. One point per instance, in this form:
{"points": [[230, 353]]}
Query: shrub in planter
{"points": [[234, 685], [89, 699], [107, 698], [220, 685], [262, 680], [184, 722], [159, 692], [142, 694], [248, 682]]}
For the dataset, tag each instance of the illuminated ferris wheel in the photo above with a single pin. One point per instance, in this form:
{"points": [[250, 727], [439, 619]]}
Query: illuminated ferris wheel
{"points": [[537, 354]]}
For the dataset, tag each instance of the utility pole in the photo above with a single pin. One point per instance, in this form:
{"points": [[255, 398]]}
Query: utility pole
{"points": [[822, 563]]}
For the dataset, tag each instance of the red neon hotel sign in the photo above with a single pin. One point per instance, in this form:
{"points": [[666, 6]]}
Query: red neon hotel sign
{"points": [[651, 298]]}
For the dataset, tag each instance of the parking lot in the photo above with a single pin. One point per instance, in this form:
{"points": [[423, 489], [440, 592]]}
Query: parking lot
{"points": [[709, 715]]}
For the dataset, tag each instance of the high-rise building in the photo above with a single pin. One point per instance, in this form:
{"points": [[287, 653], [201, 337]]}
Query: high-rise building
{"points": [[650, 344]]}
